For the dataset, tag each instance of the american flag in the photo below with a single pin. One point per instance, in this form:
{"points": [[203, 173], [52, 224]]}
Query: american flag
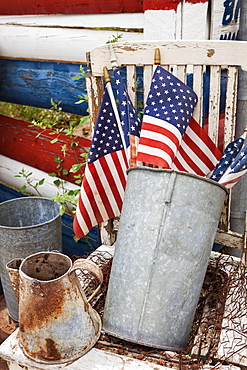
{"points": [[104, 181], [129, 118], [197, 153], [230, 153], [169, 137], [236, 170]]}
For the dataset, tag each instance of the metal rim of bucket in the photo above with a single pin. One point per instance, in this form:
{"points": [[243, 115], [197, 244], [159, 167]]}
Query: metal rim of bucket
{"points": [[178, 172], [30, 226], [40, 253]]}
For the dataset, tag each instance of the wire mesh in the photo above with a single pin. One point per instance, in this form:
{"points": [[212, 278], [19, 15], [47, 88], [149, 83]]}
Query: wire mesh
{"points": [[219, 332]]}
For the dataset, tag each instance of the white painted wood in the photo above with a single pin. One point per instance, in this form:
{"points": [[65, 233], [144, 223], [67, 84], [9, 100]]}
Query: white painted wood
{"points": [[118, 20], [131, 83], [181, 73], [195, 23], [172, 52], [95, 359], [187, 22], [214, 103], [159, 24], [59, 44], [217, 29], [231, 104], [9, 168], [198, 88]]}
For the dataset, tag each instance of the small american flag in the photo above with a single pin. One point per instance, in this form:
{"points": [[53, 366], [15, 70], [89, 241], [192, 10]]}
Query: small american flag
{"points": [[169, 137], [129, 118], [230, 153], [236, 170], [104, 181]]}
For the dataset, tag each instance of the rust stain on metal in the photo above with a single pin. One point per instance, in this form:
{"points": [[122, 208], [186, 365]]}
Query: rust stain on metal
{"points": [[13, 268], [39, 310], [50, 353], [210, 53]]}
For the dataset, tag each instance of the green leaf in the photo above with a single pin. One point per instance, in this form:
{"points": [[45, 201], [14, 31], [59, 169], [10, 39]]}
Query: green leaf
{"points": [[65, 172], [84, 155], [76, 167], [62, 210], [84, 119], [52, 174], [41, 182], [23, 188], [57, 182], [54, 140], [57, 159], [71, 192]]}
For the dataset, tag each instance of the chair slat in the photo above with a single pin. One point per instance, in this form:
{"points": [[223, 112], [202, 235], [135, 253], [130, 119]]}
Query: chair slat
{"points": [[231, 103], [214, 103], [198, 89], [131, 83], [147, 78], [181, 73]]}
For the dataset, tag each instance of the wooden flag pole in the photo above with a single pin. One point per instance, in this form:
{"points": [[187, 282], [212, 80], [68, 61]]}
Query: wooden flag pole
{"points": [[114, 106]]}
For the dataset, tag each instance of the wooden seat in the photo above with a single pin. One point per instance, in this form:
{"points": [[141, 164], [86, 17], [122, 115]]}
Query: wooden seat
{"points": [[210, 67]]}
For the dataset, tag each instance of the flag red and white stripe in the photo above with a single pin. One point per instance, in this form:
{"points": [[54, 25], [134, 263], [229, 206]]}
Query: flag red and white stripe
{"points": [[197, 153], [104, 181]]}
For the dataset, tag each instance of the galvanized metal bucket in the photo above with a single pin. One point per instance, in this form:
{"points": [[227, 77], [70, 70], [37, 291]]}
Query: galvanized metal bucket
{"points": [[27, 225], [166, 233], [57, 323]]}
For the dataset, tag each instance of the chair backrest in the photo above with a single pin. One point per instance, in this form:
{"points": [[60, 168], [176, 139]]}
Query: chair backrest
{"points": [[211, 67]]}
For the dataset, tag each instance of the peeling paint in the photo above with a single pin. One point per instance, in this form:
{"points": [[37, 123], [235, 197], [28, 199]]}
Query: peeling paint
{"points": [[210, 53]]}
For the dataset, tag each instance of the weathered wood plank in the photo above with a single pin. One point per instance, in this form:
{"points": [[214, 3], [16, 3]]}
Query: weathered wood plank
{"points": [[94, 359], [127, 21], [225, 17], [32, 146], [35, 83], [54, 43], [142, 53], [229, 239], [69, 7], [214, 100]]}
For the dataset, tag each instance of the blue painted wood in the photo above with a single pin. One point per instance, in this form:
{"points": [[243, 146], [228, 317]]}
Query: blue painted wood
{"points": [[71, 248], [34, 83]]}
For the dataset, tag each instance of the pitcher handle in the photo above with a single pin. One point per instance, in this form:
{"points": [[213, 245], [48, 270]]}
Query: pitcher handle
{"points": [[95, 270]]}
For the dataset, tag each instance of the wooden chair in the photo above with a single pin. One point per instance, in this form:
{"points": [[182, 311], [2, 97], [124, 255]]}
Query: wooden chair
{"points": [[212, 66]]}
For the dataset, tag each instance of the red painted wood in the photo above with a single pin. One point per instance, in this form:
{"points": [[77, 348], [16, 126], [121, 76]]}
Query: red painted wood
{"points": [[32, 146], [19, 7], [166, 4]]}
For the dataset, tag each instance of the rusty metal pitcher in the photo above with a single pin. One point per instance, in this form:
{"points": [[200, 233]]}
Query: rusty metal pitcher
{"points": [[57, 323]]}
